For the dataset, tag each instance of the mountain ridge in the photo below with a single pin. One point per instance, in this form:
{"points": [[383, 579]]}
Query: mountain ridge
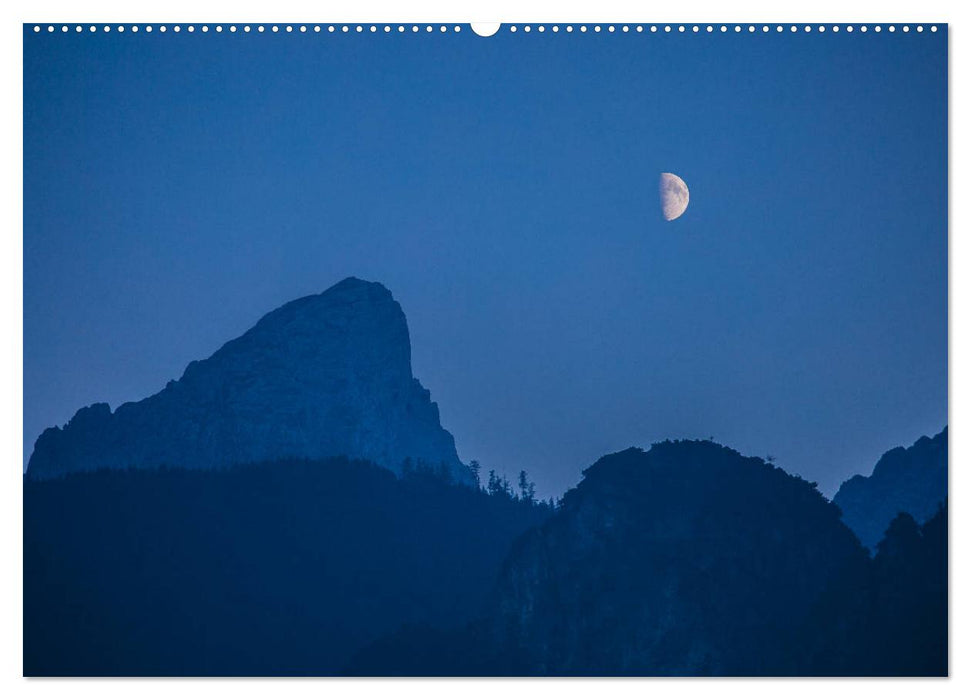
{"points": [[323, 375], [909, 480]]}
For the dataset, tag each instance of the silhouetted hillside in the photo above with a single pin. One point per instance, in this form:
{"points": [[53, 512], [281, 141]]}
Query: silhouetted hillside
{"points": [[691, 559], [909, 632], [687, 559], [277, 568], [911, 480]]}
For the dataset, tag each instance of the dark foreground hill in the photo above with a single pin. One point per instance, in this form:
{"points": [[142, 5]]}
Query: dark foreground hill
{"points": [[688, 559], [279, 568], [691, 559], [909, 480]]}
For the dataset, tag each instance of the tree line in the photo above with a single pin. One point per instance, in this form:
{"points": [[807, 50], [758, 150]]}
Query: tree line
{"points": [[496, 485]]}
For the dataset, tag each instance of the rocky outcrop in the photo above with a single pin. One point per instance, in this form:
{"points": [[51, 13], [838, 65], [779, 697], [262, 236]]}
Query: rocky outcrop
{"points": [[911, 480], [689, 559], [324, 375]]}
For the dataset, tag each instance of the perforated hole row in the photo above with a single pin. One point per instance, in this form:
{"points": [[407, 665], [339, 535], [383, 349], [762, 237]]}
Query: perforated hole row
{"points": [[246, 28], [723, 28], [512, 28]]}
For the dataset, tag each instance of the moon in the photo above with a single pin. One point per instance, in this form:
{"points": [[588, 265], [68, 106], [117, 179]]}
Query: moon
{"points": [[674, 196]]}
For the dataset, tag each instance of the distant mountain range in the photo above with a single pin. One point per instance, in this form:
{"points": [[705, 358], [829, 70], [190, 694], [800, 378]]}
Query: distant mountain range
{"points": [[321, 376], [906, 480]]}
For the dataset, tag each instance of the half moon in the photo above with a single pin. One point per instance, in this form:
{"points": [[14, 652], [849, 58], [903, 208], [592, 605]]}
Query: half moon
{"points": [[674, 196]]}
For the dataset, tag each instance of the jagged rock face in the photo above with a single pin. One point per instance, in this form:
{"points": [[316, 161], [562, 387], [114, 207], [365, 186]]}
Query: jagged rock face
{"points": [[911, 480], [686, 560], [321, 376]]}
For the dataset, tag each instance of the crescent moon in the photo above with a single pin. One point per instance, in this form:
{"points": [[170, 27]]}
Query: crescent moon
{"points": [[674, 196]]}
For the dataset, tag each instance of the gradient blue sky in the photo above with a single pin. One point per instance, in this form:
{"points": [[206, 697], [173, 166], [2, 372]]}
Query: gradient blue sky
{"points": [[177, 187]]}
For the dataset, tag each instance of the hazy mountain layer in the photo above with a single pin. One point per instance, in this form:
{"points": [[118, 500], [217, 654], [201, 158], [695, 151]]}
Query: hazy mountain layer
{"points": [[906, 480]]}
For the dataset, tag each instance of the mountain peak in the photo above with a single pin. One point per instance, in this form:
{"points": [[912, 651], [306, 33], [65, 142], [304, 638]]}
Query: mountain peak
{"points": [[905, 480], [324, 375], [347, 292], [353, 282], [350, 290]]}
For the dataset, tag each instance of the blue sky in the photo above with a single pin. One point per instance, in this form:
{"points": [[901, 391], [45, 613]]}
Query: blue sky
{"points": [[177, 187]]}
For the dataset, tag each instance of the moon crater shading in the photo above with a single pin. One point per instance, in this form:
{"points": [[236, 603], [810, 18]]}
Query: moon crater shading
{"points": [[674, 196]]}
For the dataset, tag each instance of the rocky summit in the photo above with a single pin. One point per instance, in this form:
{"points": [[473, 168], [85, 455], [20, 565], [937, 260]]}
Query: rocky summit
{"points": [[324, 375], [910, 480]]}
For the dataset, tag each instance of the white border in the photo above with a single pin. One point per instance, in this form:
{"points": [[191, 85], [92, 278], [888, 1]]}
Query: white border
{"points": [[439, 11]]}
